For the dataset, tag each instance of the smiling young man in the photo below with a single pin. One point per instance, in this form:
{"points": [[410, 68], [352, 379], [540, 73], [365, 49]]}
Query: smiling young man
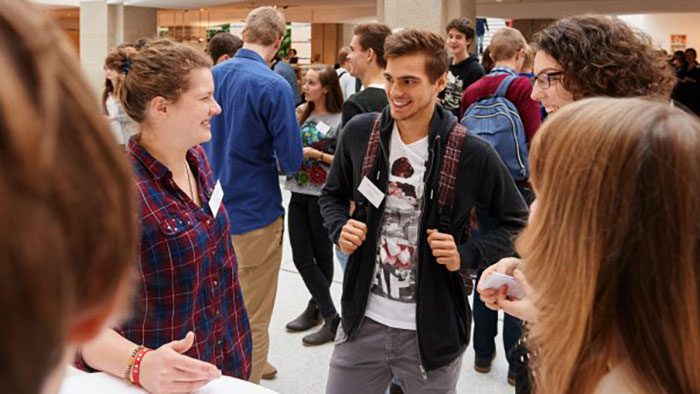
{"points": [[404, 312], [366, 60], [464, 68]]}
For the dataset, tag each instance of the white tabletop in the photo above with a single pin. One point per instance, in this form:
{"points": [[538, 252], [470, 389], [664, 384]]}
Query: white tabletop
{"points": [[90, 383]]}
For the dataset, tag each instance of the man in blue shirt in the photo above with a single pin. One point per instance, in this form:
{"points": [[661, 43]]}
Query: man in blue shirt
{"points": [[256, 131]]}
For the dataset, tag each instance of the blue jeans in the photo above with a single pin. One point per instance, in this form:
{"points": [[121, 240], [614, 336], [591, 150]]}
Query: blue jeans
{"points": [[342, 258]]}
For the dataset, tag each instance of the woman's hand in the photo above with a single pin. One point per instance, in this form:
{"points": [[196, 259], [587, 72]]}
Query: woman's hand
{"points": [[311, 153], [504, 266], [524, 308], [167, 371]]}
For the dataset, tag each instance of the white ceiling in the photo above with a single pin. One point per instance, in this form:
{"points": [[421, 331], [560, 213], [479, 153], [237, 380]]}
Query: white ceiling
{"points": [[516, 9]]}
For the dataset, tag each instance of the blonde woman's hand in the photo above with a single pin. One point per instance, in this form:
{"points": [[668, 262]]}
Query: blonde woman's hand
{"points": [[523, 308], [167, 371], [504, 266]]}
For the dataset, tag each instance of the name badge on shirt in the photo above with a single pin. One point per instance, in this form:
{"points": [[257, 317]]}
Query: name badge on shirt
{"points": [[323, 128], [372, 192], [216, 197]]}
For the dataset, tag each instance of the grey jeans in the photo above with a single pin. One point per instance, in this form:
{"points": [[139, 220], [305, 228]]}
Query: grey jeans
{"points": [[368, 362]]}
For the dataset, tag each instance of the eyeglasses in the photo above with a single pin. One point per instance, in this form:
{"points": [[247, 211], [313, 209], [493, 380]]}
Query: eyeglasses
{"points": [[544, 79]]}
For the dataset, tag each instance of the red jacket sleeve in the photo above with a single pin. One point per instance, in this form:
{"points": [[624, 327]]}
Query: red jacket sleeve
{"points": [[519, 93]]}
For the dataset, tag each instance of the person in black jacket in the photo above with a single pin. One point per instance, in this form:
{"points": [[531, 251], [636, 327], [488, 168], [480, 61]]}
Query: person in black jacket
{"points": [[404, 304], [464, 67]]}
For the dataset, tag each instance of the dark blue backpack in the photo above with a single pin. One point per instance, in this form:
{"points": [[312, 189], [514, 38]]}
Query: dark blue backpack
{"points": [[496, 119]]}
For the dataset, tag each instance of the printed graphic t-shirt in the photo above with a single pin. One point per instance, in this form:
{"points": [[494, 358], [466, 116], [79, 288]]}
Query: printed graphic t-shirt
{"points": [[392, 300]]}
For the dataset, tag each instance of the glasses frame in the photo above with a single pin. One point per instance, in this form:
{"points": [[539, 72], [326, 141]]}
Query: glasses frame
{"points": [[546, 83]]}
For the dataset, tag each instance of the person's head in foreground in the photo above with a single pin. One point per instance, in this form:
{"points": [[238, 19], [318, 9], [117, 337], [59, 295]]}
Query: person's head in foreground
{"points": [[69, 232], [594, 55], [611, 249]]}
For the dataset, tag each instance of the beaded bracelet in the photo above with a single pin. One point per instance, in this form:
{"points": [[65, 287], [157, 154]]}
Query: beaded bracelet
{"points": [[136, 370], [130, 363]]}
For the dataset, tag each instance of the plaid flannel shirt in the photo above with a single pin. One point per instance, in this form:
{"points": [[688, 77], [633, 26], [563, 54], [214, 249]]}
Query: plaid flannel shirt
{"points": [[188, 269]]}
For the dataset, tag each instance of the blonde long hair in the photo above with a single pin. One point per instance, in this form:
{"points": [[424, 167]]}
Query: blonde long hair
{"points": [[612, 246]]}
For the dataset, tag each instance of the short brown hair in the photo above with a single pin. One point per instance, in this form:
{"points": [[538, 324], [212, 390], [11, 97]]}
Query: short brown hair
{"points": [[66, 185], [372, 36], [505, 43], [343, 55], [412, 41], [161, 68], [604, 56], [462, 25], [223, 43], [264, 25]]}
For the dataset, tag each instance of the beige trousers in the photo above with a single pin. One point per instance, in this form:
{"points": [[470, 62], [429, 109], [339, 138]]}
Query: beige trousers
{"points": [[259, 255]]}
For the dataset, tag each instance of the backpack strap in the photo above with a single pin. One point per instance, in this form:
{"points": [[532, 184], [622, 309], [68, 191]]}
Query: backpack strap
{"points": [[372, 148], [367, 164], [447, 179], [505, 84]]}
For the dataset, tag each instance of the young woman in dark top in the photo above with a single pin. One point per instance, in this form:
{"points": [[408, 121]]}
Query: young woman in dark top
{"points": [[312, 249]]}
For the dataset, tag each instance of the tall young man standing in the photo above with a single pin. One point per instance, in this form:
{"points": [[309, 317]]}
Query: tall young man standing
{"points": [[405, 311], [366, 59], [464, 68], [256, 131]]}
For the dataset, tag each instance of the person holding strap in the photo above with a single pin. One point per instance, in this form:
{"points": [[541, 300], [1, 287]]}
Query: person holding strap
{"points": [[187, 270], [610, 263], [311, 246]]}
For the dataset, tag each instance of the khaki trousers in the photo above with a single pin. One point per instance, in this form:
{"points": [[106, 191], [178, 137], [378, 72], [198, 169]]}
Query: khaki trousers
{"points": [[259, 255]]}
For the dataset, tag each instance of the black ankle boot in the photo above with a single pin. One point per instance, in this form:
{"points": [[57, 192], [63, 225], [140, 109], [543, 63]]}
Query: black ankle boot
{"points": [[325, 334], [311, 317]]}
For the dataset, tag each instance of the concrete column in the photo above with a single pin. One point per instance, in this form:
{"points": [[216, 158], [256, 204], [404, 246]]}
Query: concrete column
{"points": [[104, 26], [139, 22], [530, 26], [425, 14], [95, 33]]}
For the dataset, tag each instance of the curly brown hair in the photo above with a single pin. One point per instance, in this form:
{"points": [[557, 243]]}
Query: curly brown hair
{"points": [[604, 56]]}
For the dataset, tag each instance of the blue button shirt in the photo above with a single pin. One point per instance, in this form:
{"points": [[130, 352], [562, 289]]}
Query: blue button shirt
{"points": [[257, 129]]}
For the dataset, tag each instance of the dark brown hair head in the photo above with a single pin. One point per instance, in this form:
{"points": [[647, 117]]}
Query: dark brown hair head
{"points": [[68, 239], [223, 43], [412, 41], [462, 25], [160, 69], [604, 56], [334, 98], [372, 36]]}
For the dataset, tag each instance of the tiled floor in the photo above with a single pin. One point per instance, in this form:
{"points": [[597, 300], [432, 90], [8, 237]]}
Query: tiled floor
{"points": [[303, 370]]}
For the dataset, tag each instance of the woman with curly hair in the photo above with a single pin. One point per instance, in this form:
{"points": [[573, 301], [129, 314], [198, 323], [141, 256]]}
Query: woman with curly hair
{"points": [[594, 55], [611, 264], [312, 249]]}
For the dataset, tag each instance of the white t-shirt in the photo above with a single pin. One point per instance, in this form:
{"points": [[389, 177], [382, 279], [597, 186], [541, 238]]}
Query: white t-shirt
{"points": [[392, 300], [347, 82]]}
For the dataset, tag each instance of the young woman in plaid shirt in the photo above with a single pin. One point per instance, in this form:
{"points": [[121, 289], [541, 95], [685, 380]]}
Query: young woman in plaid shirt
{"points": [[188, 305]]}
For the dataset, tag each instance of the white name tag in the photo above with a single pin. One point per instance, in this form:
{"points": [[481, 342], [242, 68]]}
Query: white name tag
{"points": [[372, 192], [323, 128], [216, 197]]}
